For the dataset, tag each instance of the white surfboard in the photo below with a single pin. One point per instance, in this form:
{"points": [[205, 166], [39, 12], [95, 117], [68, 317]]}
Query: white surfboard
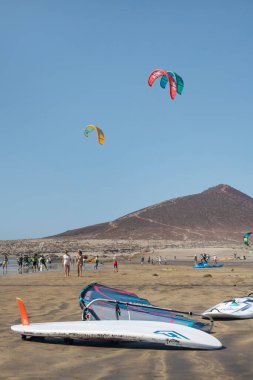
{"points": [[238, 308], [169, 334]]}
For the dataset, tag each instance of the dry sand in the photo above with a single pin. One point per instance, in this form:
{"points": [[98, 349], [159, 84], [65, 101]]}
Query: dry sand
{"points": [[51, 297]]}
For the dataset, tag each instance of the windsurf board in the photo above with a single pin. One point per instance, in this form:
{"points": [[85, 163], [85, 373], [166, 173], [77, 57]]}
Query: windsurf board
{"points": [[237, 308], [168, 334]]}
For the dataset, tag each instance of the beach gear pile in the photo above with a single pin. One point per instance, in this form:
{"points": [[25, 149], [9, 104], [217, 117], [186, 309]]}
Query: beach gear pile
{"points": [[114, 315]]}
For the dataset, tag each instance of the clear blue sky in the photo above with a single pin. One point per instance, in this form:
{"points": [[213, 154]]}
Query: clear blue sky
{"points": [[68, 63]]}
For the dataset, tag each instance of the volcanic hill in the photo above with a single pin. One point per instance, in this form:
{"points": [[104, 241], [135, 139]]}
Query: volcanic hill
{"points": [[220, 213]]}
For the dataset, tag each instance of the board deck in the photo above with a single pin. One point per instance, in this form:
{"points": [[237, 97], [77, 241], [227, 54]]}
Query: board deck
{"points": [[238, 308], [169, 334]]}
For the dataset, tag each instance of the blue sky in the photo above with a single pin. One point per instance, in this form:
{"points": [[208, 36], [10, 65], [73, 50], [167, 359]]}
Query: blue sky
{"points": [[65, 64]]}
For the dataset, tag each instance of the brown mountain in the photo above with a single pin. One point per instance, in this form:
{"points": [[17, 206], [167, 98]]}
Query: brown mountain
{"points": [[220, 213]]}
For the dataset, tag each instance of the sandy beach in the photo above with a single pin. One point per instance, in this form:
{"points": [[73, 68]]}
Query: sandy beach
{"points": [[49, 296]]}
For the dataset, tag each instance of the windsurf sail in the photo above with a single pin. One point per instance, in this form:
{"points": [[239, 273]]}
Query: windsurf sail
{"points": [[100, 302], [246, 238]]}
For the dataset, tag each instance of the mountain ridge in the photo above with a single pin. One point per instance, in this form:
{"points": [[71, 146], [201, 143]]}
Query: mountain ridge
{"points": [[217, 213]]}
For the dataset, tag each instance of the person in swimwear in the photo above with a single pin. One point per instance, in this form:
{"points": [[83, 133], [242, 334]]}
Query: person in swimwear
{"points": [[79, 263], [66, 261]]}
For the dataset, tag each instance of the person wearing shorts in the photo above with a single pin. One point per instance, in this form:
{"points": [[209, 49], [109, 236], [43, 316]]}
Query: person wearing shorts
{"points": [[115, 265], [66, 260]]}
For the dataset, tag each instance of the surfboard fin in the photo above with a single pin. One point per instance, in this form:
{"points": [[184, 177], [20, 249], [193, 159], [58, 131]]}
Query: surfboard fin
{"points": [[23, 312]]}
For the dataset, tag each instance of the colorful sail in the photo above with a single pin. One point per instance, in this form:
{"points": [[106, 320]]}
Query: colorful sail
{"points": [[160, 73], [99, 131], [246, 238], [100, 302], [179, 81]]}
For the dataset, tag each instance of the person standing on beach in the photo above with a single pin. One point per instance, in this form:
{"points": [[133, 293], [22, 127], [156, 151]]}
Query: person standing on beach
{"points": [[43, 262], [20, 263], [35, 263], [66, 261], [115, 264], [96, 263], [5, 263], [79, 263], [203, 258]]}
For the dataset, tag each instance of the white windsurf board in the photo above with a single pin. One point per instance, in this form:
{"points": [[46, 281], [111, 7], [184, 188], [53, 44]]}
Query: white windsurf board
{"points": [[237, 308], [169, 334]]}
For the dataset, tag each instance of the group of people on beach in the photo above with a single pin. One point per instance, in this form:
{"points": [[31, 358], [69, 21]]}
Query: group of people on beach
{"points": [[35, 262], [204, 258], [25, 262], [80, 260], [155, 260]]}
